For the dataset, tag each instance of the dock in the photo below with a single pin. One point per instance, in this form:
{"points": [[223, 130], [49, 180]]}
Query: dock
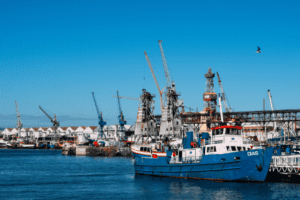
{"points": [[97, 151]]}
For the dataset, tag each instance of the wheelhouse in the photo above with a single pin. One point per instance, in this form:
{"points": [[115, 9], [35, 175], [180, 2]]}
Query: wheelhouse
{"points": [[227, 130]]}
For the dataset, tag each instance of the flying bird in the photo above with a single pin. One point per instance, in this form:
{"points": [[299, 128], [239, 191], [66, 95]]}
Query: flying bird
{"points": [[258, 50]]}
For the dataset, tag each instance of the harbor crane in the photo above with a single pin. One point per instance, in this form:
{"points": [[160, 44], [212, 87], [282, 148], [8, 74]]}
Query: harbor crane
{"points": [[101, 122], [19, 123], [223, 97], [122, 121], [54, 121], [171, 98], [160, 91]]}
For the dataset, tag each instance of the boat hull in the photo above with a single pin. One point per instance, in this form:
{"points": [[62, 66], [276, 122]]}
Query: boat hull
{"points": [[252, 165]]}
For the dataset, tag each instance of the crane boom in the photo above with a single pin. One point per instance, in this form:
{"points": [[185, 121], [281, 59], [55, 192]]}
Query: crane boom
{"points": [[160, 91], [126, 97], [96, 104], [226, 103], [46, 114], [165, 64], [119, 103]]}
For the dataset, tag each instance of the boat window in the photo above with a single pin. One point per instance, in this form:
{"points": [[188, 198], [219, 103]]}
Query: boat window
{"points": [[151, 123], [219, 131], [239, 148], [149, 149], [208, 149], [176, 123], [148, 129], [244, 148], [234, 132], [227, 131], [141, 148], [215, 149], [174, 129], [166, 129], [239, 132], [233, 148], [228, 148], [211, 149], [145, 129], [170, 128]]}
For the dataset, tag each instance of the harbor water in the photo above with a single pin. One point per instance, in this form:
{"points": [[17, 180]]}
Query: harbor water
{"points": [[46, 174]]}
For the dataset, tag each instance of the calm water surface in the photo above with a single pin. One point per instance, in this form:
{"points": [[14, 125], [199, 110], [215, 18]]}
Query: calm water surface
{"points": [[46, 174]]}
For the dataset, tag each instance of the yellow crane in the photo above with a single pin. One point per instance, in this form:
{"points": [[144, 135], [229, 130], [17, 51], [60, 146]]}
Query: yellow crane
{"points": [[160, 91]]}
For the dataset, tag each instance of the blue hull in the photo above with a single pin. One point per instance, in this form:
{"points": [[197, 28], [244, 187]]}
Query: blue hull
{"points": [[50, 146], [252, 165]]}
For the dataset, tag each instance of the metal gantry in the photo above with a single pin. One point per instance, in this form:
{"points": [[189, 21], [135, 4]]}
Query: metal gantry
{"points": [[247, 116], [147, 106], [209, 96], [101, 122]]}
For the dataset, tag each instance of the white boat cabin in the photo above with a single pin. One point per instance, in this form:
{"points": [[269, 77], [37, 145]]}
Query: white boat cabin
{"points": [[223, 140]]}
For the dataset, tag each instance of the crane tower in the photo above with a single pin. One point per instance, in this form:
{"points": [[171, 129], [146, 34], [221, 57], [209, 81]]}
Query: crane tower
{"points": [[209, 96], [145, 123]]}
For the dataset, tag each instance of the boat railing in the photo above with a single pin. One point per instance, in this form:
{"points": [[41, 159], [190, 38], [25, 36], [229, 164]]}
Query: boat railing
{"points": [[175, 160], [286, 161]]}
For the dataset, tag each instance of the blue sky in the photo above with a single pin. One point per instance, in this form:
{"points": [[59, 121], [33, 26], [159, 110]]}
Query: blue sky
{"points": [[55, 53]]}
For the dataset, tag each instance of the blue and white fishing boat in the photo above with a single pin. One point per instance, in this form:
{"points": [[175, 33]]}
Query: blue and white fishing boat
{"points": [[220, 155], [226, 158]]}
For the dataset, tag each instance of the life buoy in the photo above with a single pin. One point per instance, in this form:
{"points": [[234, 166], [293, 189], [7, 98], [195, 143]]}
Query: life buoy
{"points": [[174, 153], [194, 144]]}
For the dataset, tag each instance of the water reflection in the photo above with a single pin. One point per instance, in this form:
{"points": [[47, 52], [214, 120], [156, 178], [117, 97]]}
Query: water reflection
{"points": [[171, 188]]}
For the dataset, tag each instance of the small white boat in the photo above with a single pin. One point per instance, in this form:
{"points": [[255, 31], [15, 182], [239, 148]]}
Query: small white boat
{"points": [[3, 143], [28, 146]]}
